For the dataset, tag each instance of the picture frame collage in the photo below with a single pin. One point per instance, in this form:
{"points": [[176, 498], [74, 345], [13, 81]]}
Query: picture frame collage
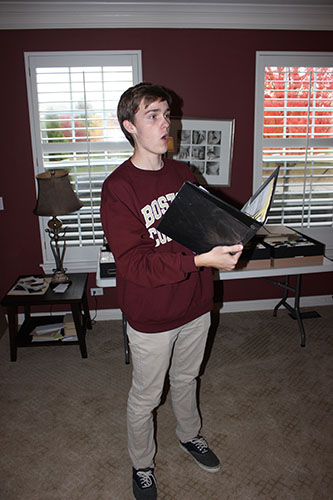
{"points": [[206, 146]]}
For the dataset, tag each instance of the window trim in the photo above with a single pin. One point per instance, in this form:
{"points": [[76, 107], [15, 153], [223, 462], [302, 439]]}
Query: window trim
{"points": [[76, 258], [288, 59]]}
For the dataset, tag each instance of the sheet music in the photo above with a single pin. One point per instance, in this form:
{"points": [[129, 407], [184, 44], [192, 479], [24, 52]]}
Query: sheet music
{"points": [[257, 207]]}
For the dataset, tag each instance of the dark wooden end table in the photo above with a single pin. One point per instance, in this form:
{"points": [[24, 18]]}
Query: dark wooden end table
{"points": [[75, 296]]}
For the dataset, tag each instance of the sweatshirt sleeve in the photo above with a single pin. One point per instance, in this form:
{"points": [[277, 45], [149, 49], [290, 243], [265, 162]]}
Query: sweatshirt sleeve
{"points": [[136, 257]]}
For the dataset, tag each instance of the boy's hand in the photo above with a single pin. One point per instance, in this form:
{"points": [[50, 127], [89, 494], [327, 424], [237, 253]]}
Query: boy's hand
{"points": [[223, 258]]}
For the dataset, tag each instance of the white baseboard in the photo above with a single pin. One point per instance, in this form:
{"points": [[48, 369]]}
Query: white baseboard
{"points": [[269, 304], [234, 306]]}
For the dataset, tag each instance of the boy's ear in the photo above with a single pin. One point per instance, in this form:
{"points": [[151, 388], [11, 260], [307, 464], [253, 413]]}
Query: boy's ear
{"points": [[129, 126]]}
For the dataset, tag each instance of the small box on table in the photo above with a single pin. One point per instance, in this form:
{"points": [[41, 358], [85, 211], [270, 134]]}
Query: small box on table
{"points": [[287, 247], [107, 266], [254, 256]]}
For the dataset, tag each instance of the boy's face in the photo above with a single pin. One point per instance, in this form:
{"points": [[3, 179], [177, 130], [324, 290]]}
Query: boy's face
{"points": [[150, 129]]}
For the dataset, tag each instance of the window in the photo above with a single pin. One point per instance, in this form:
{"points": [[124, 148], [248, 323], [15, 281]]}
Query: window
{"points": [[73, 99], [294, 129]]}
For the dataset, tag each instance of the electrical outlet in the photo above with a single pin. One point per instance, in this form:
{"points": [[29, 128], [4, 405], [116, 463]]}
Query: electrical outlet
{"points": [[96, 291]]}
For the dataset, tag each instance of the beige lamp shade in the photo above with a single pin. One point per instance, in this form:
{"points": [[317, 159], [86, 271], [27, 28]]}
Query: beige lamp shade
{"points": [[55, 194]]}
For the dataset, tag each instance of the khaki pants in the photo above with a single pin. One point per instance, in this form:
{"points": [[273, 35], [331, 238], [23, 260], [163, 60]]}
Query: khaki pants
{"points": [[151, 355]]}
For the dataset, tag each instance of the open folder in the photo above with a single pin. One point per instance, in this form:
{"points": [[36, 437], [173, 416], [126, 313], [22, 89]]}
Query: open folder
{"points": [[200, 221]]}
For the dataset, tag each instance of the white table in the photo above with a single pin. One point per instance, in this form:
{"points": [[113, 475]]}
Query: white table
{"points": [[268, 274], [298, 271]]}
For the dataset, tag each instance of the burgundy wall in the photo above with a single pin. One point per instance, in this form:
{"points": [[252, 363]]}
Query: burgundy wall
{"points": [[213, 71]]}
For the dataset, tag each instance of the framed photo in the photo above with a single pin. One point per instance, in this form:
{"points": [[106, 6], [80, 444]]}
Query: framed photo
{"points": [[206, 145]]}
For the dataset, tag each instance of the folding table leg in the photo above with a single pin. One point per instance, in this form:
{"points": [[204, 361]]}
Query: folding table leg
{"points": [[126, 347], [294, 311]]}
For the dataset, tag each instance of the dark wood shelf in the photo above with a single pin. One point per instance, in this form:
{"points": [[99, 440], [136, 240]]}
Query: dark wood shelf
{"points": [[24, 339]]}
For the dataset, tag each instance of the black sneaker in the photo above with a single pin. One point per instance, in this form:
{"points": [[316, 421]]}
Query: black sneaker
{"points": [[144, 484], [199, 450]]}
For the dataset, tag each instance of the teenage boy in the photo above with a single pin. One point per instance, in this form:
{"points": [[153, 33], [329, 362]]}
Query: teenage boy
{"points": [[164, 290]]}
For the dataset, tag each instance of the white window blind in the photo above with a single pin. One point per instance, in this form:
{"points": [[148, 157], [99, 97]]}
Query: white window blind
{"points": [[294, 129], [73, 100]]}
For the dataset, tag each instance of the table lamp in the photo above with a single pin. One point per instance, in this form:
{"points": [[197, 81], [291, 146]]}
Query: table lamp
{"points": [[56, 197]]}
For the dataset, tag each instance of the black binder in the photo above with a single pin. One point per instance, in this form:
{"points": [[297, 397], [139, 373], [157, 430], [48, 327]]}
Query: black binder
{"points": [[200, 221]]}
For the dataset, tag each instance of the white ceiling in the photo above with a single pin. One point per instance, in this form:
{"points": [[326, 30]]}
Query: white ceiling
{"points": [[218, 14], [168, 2]]}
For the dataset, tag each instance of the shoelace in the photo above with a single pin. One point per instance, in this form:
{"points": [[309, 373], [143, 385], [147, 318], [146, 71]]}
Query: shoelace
{"points": [[200, 444], [146, 478]]}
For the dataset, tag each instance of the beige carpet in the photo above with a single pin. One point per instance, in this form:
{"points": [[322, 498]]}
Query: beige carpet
{"points": [[266, 405]]}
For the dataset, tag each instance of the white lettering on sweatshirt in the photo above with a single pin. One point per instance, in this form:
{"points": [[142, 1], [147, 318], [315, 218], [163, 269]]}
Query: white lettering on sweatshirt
{"points": [[153, 212]]}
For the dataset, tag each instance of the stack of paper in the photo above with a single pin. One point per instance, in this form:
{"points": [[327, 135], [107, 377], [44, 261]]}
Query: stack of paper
{"points": [[64, 331], [47, 332]]}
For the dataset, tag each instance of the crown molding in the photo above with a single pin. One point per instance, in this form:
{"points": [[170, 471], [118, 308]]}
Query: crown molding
{"points": [[15, 15]]}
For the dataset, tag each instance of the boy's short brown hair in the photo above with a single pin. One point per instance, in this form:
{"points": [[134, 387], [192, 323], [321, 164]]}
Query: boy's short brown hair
{"points": [[130, 101]]}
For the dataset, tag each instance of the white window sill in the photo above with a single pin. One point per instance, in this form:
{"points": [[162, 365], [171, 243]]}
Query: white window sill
{"points": [[71, 267]]}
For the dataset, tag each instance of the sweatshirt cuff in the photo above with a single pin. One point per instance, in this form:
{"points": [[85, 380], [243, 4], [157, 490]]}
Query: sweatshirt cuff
{"points": [[188, 265]]}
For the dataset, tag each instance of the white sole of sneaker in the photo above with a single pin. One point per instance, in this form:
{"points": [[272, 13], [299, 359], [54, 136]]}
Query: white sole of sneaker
{"points": [[204, 467]]}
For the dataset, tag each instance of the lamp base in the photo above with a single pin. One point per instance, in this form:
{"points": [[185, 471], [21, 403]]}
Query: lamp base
{"points": [[59, 277]]}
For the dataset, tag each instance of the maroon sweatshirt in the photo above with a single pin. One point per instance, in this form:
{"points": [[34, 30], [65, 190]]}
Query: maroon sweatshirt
{"points": [[158, 286]]}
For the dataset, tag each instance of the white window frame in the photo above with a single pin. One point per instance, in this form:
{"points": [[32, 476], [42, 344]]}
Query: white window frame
{"points": [[76, 258], [285, 59]]}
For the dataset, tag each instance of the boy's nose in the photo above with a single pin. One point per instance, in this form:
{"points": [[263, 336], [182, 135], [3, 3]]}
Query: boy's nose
{"points": [[165, 122]]}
